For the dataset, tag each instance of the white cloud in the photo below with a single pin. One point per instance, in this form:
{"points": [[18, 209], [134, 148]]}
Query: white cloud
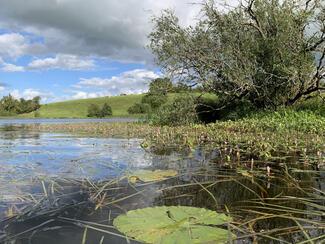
{"points": [[130, 82], [62, 61], [12, 45], [15, 45], [6, 67], [12, 68], [84, 95], [2, 88], [31, 93]]}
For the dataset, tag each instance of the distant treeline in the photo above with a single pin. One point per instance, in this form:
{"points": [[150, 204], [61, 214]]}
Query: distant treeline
{"points": [[12, 106]]}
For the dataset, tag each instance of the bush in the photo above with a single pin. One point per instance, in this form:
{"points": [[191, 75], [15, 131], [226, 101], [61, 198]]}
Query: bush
{"points": [[106, 110], [180, 112], [94, 111], [154, 100], [139, 108]]}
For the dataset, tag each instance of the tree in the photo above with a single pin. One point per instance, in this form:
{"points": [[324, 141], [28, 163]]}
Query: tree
{"points": [[94, 111], [106, 110], [9, 104], [160, 86], [270, 52]]}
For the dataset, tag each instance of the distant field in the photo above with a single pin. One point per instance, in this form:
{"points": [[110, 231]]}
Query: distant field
{"points": [[78, 108]]}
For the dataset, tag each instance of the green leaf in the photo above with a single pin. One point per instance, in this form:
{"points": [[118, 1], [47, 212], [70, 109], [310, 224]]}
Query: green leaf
{"points": [[148, 175], [175, 224]]}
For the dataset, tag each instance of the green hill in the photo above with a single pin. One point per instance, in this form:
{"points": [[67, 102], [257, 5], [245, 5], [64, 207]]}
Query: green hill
{"points": [[78, 108]]}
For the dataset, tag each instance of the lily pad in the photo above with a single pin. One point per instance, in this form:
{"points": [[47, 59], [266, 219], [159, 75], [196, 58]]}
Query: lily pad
{"points": [[148, 175], [175, 224]]}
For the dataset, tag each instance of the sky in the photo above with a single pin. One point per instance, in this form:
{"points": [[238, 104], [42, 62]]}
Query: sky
{"points": [[73, 49]]}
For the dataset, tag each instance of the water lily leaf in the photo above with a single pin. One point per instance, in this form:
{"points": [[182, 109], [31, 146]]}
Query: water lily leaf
{"points": [[148, 175], [175, 224]]}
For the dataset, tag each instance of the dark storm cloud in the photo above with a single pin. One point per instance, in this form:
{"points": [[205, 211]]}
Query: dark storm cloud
{"points": [[104, 28]]}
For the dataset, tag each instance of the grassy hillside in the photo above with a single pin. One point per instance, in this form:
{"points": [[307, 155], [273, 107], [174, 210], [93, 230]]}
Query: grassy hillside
{"points": [[78, 108]]}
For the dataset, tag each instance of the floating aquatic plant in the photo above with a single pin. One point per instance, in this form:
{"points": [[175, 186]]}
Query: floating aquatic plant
{"points": [[175, 224], [148, 175]]}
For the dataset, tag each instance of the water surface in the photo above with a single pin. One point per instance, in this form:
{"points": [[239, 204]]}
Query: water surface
{"points": [[35, 164]]}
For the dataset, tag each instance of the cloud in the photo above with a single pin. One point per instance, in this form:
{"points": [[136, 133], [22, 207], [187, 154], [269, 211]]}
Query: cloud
{"points": [[112, 29], [31, 93], [6, 67], [84, 95], [12, 68], [130, 82], [15, 45], [62, 61]]}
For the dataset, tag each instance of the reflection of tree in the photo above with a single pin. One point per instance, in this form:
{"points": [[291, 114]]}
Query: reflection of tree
{"points": [[13, 132]]}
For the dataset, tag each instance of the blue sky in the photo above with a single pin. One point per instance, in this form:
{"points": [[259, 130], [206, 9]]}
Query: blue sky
{"points": [[70, 49]]}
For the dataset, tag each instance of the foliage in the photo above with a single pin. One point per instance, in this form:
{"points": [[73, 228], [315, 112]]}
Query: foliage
{"points": [[210, 110], [11, 106], [139, 108], [160, 86], [106, 110], [174, 225], [181, 111], [154, 100], [148, 175], [263, 50], [260, 135], [315, 105], [95, 111]]}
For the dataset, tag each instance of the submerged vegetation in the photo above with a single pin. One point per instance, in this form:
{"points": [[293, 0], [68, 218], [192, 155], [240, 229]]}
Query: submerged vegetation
{"points": [[256, 174], [283, 205]]}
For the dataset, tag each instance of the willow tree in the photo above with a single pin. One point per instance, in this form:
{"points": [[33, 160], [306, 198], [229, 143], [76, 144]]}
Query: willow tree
{"points": [[270, 52]]}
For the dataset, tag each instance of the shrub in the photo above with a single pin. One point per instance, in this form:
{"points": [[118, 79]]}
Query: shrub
{"points": [[139, 108], [154, 100], [106, 110], [94, 111], [180, 112]]}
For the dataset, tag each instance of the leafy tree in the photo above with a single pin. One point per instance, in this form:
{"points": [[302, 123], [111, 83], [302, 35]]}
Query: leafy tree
{"points": [[9, 104], [106, 110], [94, 111], [160, 86], [269, 52]]}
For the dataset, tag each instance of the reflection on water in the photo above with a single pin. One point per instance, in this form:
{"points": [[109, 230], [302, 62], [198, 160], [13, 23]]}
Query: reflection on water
{"points": [[54, 164]]}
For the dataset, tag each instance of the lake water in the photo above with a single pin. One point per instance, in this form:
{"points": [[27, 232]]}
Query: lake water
{"points": [[32, 164]]}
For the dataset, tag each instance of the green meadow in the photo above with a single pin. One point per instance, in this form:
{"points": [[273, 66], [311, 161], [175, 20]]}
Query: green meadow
{"points": [[78, 108]]}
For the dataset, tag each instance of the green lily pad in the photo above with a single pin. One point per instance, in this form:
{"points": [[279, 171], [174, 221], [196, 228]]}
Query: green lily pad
{"points": [[175, 224], [148, 175]]}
